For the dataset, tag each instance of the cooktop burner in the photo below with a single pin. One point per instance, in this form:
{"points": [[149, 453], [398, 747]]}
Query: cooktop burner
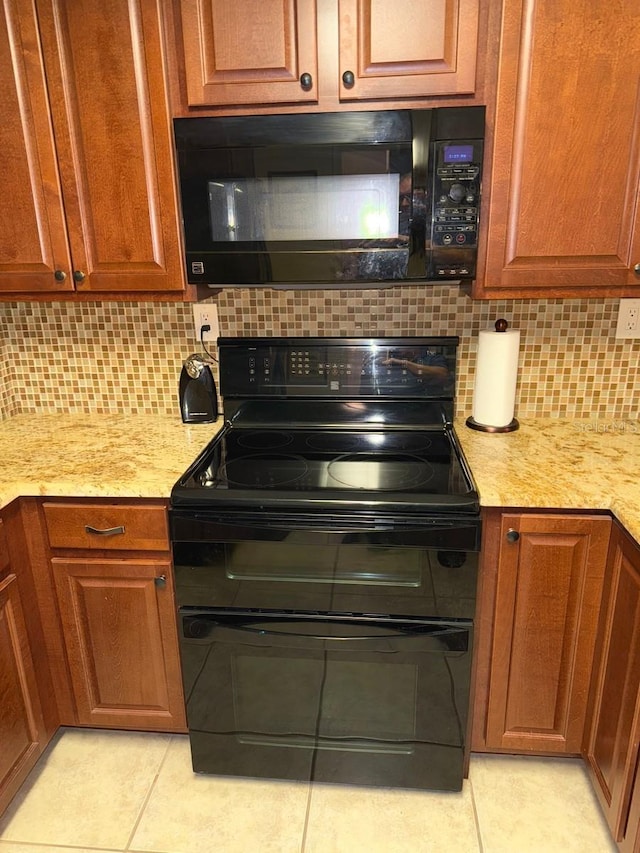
{"points": [[257, 471], [264, 439], [371, 471], [340, 442]]}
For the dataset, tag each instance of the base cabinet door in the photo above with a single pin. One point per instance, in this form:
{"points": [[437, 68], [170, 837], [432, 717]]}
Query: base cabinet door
{"points": [[611, 747], [119, 627], [22, 736], [544, 606]]}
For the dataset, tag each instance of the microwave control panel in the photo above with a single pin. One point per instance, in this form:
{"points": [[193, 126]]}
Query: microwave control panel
{"points": [[456, 207]]}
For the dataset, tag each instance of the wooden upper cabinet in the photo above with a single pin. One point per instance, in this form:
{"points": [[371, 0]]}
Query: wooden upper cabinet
{"points": [[88, 200], [408, 49], [106, 88], [325, 52], [564, 193], [243, 52], [33, 237]]}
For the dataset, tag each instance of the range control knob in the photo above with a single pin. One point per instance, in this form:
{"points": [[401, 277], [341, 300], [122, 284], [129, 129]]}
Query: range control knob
{"points": [[457, 192]]}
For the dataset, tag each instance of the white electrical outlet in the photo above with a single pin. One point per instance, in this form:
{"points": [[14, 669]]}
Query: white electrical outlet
{"points": [[628, 319], [206, 314]]}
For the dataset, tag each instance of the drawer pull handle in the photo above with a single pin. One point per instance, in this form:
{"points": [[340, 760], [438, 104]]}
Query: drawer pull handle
{"points": [[109, 531], [512, 535], [160, 581]]}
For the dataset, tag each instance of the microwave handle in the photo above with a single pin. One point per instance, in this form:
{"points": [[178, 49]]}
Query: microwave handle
{"points": [[421, 149]]}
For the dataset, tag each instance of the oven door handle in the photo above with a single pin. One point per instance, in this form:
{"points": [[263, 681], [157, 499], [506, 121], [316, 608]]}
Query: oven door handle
{"points": [[320, 525], [202, 627]]}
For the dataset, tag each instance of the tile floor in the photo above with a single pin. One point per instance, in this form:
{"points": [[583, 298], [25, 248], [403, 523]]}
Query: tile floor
{"points": [[121, 791]]}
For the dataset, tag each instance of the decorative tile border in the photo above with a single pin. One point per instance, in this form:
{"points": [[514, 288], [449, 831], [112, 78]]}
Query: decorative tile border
{"points": [[126, 357]]}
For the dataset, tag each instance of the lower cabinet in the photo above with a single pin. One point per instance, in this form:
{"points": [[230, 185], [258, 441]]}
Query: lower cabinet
{"points": [[112, 572], [540, 596], [22, 731], [611, 744]]}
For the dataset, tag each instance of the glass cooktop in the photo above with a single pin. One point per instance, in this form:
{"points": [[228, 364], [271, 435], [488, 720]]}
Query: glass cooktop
{"points": [[381, 466]]}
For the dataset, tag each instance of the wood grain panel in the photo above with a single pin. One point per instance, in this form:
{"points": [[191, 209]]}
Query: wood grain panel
{"points": [[4, 549], [120, 634], [547, 602], [566, 161], [422, 47], [612, 745], [247, 52], [33, 240], [21, 726], [106, 85]]}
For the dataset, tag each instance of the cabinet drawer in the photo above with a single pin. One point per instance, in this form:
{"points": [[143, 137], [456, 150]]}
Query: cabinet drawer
{"points": [[102, 526]]}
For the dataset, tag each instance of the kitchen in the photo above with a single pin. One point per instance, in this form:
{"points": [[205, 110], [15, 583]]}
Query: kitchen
{"points": [[60, 356]]}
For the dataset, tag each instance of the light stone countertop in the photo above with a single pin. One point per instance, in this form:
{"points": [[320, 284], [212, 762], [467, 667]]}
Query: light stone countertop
{"points": [[97, 455], [547, 463], [559, 464]]}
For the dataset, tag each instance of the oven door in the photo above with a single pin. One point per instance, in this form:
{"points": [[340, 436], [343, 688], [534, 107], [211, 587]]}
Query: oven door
{"points": [[415, 567], [327, 698]]}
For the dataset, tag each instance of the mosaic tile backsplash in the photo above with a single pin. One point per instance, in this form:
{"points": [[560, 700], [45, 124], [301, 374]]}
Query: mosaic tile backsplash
{"points": [[126, 357]]}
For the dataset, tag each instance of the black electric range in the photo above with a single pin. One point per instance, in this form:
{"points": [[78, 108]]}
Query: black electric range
{"points": [[325, 548]]}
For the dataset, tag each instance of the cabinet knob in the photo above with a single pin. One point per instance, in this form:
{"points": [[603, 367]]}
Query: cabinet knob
{"points": [[306, 81], [161, 581], [348, 78], [78, 276], [512, 535], [59, 275], [636, 269]]}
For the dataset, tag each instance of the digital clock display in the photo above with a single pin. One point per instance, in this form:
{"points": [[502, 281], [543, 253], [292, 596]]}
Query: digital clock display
{"points": [[458, 153]]}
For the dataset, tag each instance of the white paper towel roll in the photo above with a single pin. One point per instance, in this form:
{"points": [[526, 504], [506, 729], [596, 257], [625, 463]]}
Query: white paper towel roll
{"points": [[494, 391]]}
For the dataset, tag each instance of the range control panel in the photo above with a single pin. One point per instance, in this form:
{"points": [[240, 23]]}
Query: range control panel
{"points": [[456, 207], [352, 367]]}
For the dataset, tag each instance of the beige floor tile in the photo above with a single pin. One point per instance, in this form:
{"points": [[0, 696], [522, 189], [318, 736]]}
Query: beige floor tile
{"points": [[537, 805], [383, 820], [87, 790], [189, 811]]}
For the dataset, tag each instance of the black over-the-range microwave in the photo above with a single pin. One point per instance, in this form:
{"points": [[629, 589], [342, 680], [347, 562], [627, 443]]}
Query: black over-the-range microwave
{"points": [[331, 199]]}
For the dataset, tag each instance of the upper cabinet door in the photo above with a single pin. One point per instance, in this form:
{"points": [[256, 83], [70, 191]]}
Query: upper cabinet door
{"points": [[105, 74], [564, 193], [243, 52], [33, 240], [408, 49]]}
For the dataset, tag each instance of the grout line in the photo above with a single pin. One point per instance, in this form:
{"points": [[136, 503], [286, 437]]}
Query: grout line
{"points": [[306, 818], [148, 795], [475, 816], [47, 848]]}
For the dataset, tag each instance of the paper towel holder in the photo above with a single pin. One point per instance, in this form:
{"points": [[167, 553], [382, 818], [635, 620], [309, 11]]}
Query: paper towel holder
{"points": [[501, 326]]}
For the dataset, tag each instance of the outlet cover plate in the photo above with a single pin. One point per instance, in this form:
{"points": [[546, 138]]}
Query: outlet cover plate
{"points": [[628, 319], [206, 314]]}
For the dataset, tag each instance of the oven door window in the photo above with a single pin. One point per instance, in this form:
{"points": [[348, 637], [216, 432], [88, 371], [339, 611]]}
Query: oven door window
{"points": [[383, 702]]}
